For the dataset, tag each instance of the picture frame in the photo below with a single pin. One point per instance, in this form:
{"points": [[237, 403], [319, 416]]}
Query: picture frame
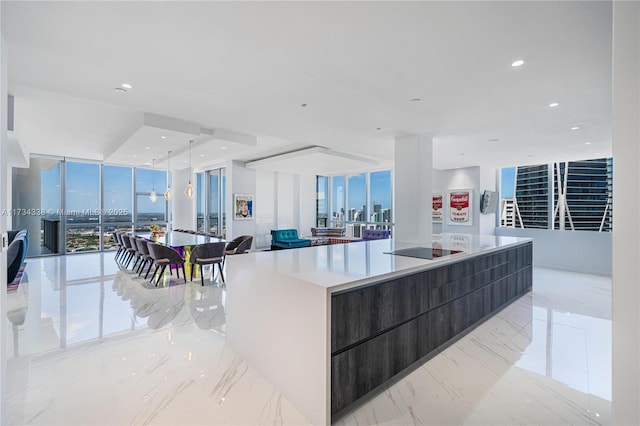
{"points": [[460, 206], [243, 206]]}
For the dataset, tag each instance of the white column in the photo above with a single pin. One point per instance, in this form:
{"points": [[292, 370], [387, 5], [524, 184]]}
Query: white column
{"points": [[412, 189], [240, 180], [4, 416], [626, 205]]}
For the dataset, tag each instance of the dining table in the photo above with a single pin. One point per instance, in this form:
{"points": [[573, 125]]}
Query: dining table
{"points": [[182, 242]]}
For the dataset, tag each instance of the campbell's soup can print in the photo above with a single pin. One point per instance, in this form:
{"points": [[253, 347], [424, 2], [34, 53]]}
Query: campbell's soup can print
{"points": [[459, 207], [437, 208]]}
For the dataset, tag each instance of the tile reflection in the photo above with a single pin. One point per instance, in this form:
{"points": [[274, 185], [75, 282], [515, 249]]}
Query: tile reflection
{"points": [[545, 359], [69, 300], [106, 341]]}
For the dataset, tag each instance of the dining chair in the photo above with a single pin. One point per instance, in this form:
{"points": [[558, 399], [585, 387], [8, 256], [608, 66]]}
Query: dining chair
{"points": [[207, 254], [129, 250], [137, 254], [145, 257], [116, 238], [239, 245], [164, 256]]}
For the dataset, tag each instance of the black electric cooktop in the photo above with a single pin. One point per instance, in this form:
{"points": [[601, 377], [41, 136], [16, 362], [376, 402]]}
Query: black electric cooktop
{"points": [[424, 252]]}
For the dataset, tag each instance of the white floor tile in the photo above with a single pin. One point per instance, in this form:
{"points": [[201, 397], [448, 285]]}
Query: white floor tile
{"points": [[91, 343]]}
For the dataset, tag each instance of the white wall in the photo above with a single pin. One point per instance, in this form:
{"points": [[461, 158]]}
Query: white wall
{"points": [[4, 416], [579, 251], [183, 209], [478, 179], [463, 178], [488, 182], [266, 183], [283, 201], [285, 206], [626, 205], [240, 180], [307, 204]]}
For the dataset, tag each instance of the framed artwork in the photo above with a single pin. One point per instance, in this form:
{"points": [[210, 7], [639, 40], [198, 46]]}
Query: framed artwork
{"points": [[460, 203], [242, 207], [437, 212]]}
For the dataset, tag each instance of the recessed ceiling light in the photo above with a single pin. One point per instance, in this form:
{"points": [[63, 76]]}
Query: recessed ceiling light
{"points": [[416, 100], [120, 89], [126, 86], [303, 105], [575, 128], [378, 128], [587, 143], [147, 147], [462, 154], [201, 155], [517, 63], [530, 155], [224, 147], [553, 104], [494, 140], [163, 137], [184, 161], [135, 155]]}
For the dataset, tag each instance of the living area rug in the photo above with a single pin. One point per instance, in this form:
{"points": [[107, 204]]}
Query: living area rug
{"points": [[13, 285]]}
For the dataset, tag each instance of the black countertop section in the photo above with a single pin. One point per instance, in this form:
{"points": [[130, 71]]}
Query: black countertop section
{"points": [[424, 252]]}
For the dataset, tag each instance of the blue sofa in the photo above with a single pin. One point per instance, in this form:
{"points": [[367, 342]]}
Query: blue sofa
{"points": [[287, 238], [16, 252], [375, 234]]}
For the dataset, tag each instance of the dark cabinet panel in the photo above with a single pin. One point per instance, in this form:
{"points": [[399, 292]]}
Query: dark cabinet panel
{"points": [[379, 330]]}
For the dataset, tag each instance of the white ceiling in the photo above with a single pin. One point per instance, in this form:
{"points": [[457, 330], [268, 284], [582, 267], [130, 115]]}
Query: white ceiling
{"points": [[243, 69]]}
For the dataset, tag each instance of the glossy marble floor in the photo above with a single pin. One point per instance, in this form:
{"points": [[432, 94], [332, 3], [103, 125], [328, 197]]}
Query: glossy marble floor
{"points": [[90, 343]]}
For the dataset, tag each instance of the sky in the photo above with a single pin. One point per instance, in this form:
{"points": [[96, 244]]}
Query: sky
{"points": [[83, 187], [380, 192], [508, 179]]}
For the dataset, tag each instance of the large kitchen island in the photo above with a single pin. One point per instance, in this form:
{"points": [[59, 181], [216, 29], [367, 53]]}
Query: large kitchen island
{"points": [[329, 325]]}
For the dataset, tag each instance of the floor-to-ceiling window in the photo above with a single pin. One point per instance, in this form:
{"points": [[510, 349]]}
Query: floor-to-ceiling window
{"points": [[72, 206], [82, 206], [214, 202], [337, 201], [322, 202], [380, 198], [117, 193], [147, 210], [210, 202], [355, 202], [201, 201]]}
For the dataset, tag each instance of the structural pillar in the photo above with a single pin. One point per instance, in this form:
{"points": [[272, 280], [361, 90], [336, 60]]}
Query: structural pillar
{"points": [[412, 189], [4, 415], [626, 205]]}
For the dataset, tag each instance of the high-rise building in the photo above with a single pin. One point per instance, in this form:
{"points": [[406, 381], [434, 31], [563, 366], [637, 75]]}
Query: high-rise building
{"points": [[532, 199], [582, 195], [588, 194]]}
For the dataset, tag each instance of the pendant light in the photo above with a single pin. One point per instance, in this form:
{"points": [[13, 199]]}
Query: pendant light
{"points": [[189, 189], [168, 193], [153, 196]]}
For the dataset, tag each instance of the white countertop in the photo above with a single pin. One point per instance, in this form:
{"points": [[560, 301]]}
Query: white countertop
{"points": [[339, 266]]}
